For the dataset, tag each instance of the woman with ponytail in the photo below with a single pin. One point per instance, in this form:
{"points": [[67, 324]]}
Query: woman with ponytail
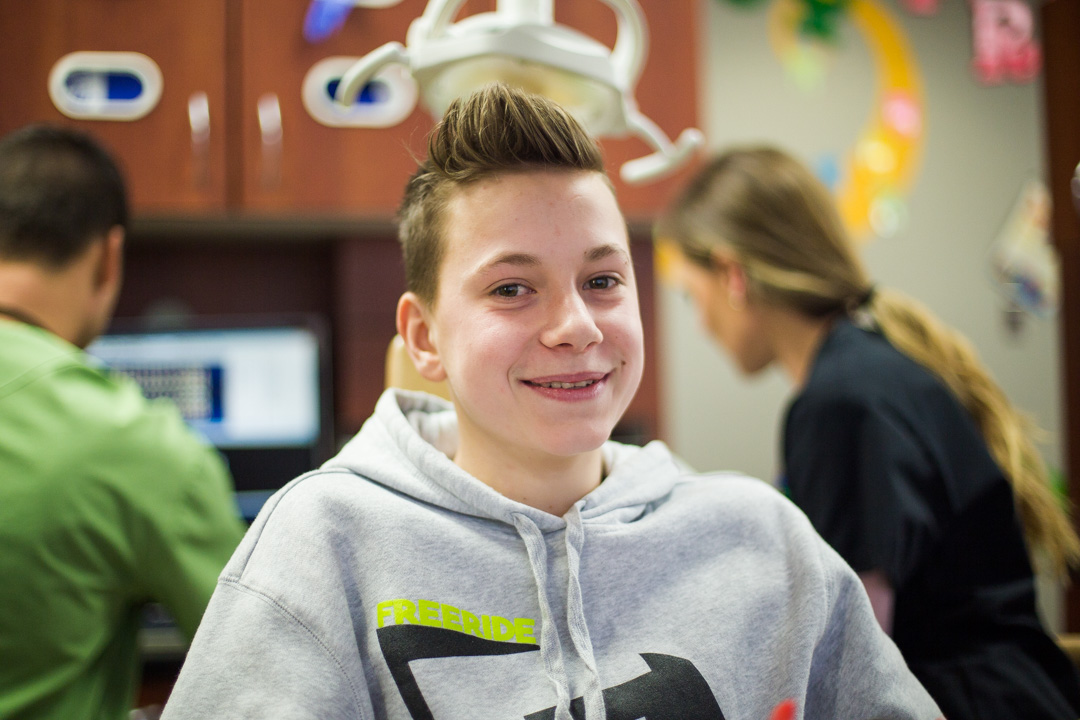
{"points": [[898, 445]]}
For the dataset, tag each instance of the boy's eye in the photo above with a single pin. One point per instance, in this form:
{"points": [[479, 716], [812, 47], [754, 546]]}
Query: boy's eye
{"points": [[509, 290], [605, 282]]}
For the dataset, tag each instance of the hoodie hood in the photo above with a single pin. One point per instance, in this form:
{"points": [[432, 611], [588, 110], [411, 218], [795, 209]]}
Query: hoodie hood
{"points": [[407, 446], [409, 442]]}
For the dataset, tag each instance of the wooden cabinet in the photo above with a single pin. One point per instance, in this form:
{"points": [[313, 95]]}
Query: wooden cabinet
{"points": [[363, 170], [167, 171], [218, 59], [246, 54], [317, 168]]}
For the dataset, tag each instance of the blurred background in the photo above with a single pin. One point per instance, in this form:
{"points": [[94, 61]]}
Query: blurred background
{"points": [[946, 128]]}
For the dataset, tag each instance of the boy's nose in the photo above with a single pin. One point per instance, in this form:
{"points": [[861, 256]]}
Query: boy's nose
{"points": [[571, 322]]}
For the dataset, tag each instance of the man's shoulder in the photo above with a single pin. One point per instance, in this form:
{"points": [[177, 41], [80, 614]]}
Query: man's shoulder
{"points": [[29, 355], [56, 396]]}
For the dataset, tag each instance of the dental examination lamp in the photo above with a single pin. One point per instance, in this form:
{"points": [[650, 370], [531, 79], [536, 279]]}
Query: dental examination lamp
{"points": [[520, 44]]}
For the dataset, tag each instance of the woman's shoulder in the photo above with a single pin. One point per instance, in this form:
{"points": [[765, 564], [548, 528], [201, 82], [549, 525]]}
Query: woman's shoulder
{"points": [[859, 370]]}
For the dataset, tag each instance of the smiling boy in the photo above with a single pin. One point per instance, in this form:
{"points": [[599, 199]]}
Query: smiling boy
{"points": [[539, 337], [497, 557]]}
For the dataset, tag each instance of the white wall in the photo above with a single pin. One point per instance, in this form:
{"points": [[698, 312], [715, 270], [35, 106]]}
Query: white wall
{"points": [[980, 145]]}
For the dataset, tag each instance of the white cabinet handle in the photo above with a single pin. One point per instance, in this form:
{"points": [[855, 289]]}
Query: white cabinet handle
{"points": [[270, 130], [199, 121]]}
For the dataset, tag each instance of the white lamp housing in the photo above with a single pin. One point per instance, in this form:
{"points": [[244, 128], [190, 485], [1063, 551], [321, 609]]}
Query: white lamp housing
{"points": [[520, 44]]}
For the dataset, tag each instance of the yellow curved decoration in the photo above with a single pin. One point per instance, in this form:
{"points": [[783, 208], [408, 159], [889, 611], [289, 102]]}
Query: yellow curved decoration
{"points": [[884, 160]]}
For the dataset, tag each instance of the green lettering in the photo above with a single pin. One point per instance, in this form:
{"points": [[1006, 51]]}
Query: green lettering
{"points": [[429, 613], [485, 621], [383, 610], [523, 630], [404, 612], [501, 628], [471, 624], [451, 617]]}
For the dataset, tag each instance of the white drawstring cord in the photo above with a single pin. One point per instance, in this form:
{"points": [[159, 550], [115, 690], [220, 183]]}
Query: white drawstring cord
{"points": [[575, 610], [550, 648]]}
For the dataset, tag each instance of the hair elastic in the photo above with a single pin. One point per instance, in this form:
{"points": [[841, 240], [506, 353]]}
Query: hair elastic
{"points": [[867, 296], [860, 314]]}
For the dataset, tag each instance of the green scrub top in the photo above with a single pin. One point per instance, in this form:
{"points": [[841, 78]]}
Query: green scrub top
{"points": [[107, 502]]}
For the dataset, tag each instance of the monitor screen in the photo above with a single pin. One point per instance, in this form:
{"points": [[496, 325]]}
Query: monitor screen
{"points": [[258, 393]]}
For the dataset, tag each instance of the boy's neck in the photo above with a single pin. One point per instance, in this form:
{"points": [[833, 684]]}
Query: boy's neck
{"points": [[551, 484]]}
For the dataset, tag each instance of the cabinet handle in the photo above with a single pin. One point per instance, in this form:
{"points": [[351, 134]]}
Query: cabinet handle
{"points": [[270, 130], [199, 120], [1075, 184]]}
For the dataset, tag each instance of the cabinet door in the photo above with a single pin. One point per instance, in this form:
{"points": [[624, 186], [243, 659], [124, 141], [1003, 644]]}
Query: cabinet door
{"points": [[308, 166], [313, 167], [170, 167]]}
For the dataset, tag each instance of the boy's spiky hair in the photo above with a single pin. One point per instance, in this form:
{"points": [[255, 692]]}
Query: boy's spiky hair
{"points": [[497, 129]]}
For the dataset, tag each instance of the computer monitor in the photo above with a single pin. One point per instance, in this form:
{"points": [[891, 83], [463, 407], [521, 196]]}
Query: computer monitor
{"points": [[255, 388]]}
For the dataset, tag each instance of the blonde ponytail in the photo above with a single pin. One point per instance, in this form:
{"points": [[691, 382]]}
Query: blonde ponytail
{"points": [[780, 222], [914, 331]]}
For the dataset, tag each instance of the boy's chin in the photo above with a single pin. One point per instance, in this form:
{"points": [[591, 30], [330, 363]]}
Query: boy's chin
{"points": [[577, 443]]}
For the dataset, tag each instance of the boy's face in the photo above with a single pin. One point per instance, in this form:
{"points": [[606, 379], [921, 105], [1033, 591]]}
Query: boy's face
{"points": [[536, 323]]}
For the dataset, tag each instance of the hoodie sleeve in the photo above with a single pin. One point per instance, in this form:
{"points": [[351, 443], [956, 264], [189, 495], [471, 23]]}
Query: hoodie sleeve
{"points": [[278, 638], [253, 658], [856, 670]]}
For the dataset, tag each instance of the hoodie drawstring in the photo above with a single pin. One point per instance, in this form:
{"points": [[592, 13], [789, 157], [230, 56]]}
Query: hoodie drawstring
{"points": [[550, 649], [575, 611]]}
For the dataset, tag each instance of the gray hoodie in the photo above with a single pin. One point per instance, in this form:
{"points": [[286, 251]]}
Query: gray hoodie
{"points": [[392, 584]]}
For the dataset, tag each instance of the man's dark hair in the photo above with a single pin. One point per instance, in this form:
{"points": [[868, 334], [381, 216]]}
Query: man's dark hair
{"points": [[59, 191]]}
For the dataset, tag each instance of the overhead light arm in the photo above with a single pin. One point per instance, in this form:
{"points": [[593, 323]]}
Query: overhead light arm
{"points": [[363, 70], [521, 44], [667, 157]]}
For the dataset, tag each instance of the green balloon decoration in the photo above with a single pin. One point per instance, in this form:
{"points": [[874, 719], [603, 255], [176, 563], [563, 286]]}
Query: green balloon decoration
{"points": [[746, 3], [822, 17]]}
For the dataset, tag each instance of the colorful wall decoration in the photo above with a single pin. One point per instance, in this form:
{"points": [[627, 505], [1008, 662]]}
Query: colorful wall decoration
{"points": [[1003, 41], [1023, 261], [872, 179], [921, 7]]}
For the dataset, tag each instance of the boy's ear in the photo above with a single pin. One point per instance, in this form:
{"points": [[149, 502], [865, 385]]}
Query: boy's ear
{"points": [[415, 328]]}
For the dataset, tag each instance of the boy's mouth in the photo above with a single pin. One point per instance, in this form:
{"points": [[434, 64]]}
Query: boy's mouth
{"points": [[572, 384], [563, 385]]}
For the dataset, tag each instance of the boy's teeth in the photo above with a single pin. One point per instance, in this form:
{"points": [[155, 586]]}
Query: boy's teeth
{"points": [[566, 386]]}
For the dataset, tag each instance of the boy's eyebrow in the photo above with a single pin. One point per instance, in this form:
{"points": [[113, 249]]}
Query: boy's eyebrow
{"points": [[603, 251], [521, 259]]}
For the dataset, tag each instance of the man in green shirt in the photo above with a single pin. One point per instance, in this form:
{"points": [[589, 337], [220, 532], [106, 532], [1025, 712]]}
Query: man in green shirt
{"points": [[107, 501]]}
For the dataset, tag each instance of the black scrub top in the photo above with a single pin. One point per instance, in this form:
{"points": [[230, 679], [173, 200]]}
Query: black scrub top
{"points": [[894, 474]]}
